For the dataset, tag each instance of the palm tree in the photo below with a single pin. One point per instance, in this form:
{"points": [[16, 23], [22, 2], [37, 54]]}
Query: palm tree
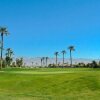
{"points": [[56, 54], [3, 31], [9, 52], [41, 61], [46, 60], [9, 56], [71, 48], [32, 63], [63, 52]]}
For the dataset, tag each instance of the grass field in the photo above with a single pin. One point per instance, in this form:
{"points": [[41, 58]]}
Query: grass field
{"points": [[50, 84]]}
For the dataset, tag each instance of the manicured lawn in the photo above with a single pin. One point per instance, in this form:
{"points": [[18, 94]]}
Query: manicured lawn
{"points": [[50, 84]]}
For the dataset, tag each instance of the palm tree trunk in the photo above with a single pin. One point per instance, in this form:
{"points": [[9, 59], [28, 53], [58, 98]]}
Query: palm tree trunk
{"points": [[70, 58], [46, 62], [56, 59], [9, 54], [63, 58], [41, 63], [1, 49]]}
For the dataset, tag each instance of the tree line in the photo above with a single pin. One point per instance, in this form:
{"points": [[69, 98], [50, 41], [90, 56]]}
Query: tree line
{"points": [[8, 60]]}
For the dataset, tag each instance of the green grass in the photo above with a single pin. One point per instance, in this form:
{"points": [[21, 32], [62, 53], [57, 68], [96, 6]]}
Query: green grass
{"points": [[50, 84]]}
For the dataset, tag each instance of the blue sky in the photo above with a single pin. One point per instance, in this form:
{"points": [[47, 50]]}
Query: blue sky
{"points": [[41, 27]]}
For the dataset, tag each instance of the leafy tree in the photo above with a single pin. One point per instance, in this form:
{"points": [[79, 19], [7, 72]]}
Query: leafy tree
{"points": [[3, 63], [19, 62], [3, 31], [8, 61], [71, 48], [13, 64], [8, 58], [52, 66], [80, 65], [99, 64], [94, 64]]}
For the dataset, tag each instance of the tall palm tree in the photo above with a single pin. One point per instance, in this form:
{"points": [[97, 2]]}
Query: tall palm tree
{"points": [[41, 61], [3, 31], [46, 60], [32, 63], [71, 48], [56, 54], [63, 52]]}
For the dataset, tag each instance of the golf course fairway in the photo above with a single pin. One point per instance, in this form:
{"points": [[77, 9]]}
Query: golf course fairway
{"points": [[50, 84]]}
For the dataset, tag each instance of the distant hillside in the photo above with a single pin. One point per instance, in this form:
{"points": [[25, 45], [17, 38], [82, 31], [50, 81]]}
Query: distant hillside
{"points": [[37, 61]]}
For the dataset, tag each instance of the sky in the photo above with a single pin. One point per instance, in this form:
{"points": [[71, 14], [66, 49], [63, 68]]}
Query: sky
{"points": [[41, 27]]}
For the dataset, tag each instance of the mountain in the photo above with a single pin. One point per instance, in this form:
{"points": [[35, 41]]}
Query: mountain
{"points": [[37, 61]]}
